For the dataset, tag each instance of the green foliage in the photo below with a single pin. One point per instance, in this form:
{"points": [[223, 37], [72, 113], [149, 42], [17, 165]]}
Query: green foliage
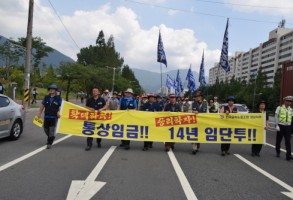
{"points": [[10, 53], [244, 91], [40, 50]]}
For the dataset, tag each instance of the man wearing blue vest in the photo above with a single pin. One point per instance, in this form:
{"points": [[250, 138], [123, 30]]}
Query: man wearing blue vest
{"points": [[149, 106], [51, 103], [127, 103], [198, 106], [283, 117], [172, 106]]}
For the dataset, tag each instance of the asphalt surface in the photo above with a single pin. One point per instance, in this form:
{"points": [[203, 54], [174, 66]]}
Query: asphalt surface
{"points": [[135, 174]]}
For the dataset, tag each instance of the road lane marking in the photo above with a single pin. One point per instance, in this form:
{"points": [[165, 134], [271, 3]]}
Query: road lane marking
{"points": [[273, 178], [22, 158], [182, 178], [84, 190], [275, 147]]}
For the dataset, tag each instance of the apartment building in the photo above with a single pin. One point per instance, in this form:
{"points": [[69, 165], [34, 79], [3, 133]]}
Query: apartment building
{"points": [[269, 56]]}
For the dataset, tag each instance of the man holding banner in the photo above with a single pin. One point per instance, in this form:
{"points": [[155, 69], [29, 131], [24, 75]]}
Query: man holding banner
{"points": [[150, 106], [172, 106], [97, 104], [127, 103], [198, 106], [228, 109]]}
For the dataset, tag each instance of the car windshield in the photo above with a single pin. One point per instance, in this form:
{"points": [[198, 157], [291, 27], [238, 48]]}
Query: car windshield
{"points": [[241, 108]]}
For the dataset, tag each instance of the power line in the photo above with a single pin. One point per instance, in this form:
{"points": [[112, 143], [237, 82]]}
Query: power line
{"points": [[200, 13], [57, 31], [246, 5], [63, 24]]}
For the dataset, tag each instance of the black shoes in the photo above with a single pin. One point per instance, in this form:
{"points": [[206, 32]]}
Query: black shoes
{"points": [[49, 146], [278, 155], [127, 147], [88, 148], [225, 153], [99, 145], [289, 158], [194, 152], [145, 149]]}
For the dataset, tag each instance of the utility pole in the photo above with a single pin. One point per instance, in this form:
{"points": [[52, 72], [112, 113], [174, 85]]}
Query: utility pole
{"points": [[28, 55]]}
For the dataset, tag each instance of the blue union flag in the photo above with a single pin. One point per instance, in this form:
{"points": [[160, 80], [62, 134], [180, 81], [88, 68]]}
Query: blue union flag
{"points": [[190, 81], [161, 56], [202, 79], [224, 61], [179, 85], [170, 83]]}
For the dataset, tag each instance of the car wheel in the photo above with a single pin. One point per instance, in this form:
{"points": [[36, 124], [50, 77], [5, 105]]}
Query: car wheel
{"points": [[16, 130]]}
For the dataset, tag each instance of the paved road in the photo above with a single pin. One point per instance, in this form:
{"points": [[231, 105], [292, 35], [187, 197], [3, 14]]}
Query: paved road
{"points": [[136, 174]]}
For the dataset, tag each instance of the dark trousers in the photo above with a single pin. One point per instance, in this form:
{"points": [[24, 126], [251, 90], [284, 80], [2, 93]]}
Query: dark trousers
{"points": [[285, 131], [148, 144], [255, 148], [125, 142], [89, 141], [49, 128], [169, 145], [34, 99], [225, 147]]}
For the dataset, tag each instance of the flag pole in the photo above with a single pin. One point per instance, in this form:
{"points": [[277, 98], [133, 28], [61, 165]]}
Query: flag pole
{"points": [[161, 79]]}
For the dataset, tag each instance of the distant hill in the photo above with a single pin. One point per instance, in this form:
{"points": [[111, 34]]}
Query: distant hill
{"points": [[54, 58], [151, 81]]}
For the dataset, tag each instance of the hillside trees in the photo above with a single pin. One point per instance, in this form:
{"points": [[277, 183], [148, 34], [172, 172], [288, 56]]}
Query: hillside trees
{"points": [[98, 62], [10, 54]]}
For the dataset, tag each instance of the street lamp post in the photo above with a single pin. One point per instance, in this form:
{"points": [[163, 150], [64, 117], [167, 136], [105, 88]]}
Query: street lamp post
{"points": [[113, 81]]}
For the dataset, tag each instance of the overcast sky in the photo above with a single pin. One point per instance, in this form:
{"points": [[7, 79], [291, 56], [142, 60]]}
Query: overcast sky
{"points": [[187, 27]]}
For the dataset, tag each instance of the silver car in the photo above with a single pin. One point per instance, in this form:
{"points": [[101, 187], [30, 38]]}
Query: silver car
{"points": [[240, 107], [12, 118]]}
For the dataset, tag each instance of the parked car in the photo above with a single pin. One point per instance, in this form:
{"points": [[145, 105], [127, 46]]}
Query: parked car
{"points": [[12, 117], [240, 107]]}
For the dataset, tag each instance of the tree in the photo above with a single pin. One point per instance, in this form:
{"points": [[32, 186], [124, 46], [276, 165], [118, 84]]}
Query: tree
{"points": [[10, 53], [102, 54], [39, 51]]}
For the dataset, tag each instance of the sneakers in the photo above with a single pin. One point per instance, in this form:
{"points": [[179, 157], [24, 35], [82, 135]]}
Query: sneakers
{"points": [[49, 146], [88, 148]]}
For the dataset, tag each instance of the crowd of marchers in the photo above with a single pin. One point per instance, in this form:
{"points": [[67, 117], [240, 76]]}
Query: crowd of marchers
{"points": [[155, 103]]}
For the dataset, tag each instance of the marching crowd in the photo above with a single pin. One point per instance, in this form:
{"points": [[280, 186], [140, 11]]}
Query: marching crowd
{"points": [[156, 103]]}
